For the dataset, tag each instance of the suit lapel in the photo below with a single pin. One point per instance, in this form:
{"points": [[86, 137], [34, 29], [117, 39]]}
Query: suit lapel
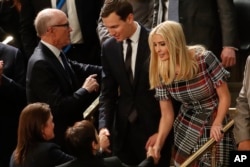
{"points": [[48, 54], [142, 53]]}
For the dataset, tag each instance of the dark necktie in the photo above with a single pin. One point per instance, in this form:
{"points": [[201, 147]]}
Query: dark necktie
{"points": [[128, 61], [66, 66], [133, 113], [173, 10]]}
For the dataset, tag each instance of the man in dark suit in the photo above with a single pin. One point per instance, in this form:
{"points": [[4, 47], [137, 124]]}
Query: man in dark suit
{"points": [[208, 22], [126, 101], [83, 16], [84, 143], [12, 98], [53, 79]]}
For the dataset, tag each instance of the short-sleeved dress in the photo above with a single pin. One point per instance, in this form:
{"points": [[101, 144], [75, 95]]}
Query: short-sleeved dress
{"points": [[198, 110]]}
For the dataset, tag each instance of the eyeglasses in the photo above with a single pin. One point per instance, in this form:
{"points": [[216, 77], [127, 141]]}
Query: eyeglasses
{"points": [[61, 25]]}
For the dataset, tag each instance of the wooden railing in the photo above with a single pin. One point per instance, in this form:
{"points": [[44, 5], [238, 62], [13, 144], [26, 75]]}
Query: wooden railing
{"points": [[89, 112], [209, 144]]}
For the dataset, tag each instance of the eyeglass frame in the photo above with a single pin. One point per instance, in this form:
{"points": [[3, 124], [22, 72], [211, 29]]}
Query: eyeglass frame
{"points": [[61, 25]]}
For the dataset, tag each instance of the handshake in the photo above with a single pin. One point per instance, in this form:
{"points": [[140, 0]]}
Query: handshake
{"points": [[104, 146]]}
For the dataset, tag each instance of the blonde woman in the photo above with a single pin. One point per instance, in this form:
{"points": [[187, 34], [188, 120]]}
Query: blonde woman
{"points": [[196, 78]]}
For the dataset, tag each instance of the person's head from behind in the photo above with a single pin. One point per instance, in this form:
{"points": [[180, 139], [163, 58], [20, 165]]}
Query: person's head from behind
{"points": [[168, 51], [82, 139], [35, 125], [52, 26], [118, 18]]}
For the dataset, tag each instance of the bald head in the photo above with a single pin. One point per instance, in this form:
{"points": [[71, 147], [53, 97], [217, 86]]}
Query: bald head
{"points": [[47, 17]]}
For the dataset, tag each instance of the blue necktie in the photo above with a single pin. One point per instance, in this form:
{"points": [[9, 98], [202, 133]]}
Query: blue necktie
{"points": [[60, 4], [173, 10]]}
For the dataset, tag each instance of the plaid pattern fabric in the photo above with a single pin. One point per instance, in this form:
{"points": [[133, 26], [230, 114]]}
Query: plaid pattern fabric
{"points": [[199, 104]]}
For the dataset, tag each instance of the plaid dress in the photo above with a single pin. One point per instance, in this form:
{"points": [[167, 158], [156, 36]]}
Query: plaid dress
{"points": [[198, 110]]}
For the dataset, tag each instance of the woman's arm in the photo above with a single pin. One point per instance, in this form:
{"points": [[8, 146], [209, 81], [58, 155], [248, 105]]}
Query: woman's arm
{"points": [[165, 125], [224, 104]]}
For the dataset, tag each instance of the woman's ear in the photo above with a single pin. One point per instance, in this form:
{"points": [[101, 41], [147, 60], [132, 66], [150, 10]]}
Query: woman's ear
{"points": [[95, 145], [43, 133]]}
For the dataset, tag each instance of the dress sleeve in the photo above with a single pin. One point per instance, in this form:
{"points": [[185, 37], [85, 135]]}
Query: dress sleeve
{"points": [[216, 71], [161, 93]]}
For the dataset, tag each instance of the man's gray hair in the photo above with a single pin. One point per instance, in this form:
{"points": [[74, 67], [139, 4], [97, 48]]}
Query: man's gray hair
{"points": [[44, 19]]}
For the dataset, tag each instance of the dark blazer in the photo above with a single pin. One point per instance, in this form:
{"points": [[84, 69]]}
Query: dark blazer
{"points": [[12, 98], [138, 96], [48, 82], [12, 87], [43, 154], [104, 162], [118, 97], [208, 22], [87, 12]]}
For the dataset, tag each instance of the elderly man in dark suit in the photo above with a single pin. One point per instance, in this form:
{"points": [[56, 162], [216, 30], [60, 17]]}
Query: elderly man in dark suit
{"points": [[83, 16], [56, 80], [126, 100]]}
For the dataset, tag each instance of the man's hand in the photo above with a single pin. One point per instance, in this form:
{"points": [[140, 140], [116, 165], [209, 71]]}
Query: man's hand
{"points": [[244, 145], [91, 84], [104, 140], [228, 57]]}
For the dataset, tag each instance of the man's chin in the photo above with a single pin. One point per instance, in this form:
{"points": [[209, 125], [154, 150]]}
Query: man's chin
{"points": [[118, 39]]}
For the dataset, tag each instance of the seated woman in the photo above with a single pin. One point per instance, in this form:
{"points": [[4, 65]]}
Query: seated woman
{"points": [[35, 130], [84, 143]]}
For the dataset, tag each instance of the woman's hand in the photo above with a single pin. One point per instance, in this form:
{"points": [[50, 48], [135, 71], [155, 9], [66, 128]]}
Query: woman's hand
{"points": [[216, 132], [151, 153], [151, 141]]}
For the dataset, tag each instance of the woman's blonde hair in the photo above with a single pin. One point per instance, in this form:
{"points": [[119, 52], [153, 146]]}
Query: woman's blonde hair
{"points": [[179, 54]]}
